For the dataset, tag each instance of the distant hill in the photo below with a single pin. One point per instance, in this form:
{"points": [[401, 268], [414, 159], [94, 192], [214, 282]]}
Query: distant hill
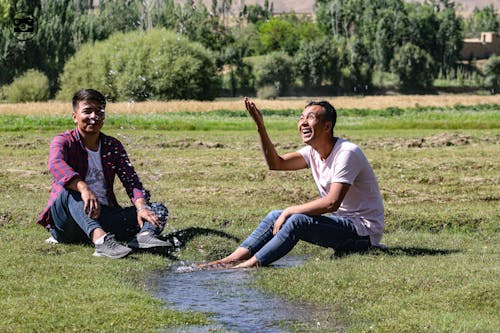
{"points": [[306, 6]]}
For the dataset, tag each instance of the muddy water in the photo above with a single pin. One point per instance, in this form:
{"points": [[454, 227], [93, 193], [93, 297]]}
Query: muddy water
{"points": [[227, 295]]}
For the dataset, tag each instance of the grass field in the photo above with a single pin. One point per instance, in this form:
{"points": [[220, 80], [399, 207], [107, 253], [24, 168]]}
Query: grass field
{"points": [[438, 171]]}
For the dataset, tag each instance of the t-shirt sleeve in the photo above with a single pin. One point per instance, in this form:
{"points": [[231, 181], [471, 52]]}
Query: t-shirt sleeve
{"points": [[306, 154], [347, 167]]}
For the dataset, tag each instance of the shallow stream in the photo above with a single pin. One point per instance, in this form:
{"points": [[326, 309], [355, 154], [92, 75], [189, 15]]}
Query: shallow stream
{"points": [[229, 298]]}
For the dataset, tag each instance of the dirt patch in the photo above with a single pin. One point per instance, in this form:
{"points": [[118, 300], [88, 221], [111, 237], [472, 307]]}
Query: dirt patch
{"points": [[433, 141], [188, 143], [4, 219]]}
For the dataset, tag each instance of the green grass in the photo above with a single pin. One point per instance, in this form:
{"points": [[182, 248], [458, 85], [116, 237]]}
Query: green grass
{"points": [[444, 282], [438, 172], [484, 116]]}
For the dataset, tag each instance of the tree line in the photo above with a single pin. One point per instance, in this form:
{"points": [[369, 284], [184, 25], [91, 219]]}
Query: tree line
{"points": [[347, 46]]}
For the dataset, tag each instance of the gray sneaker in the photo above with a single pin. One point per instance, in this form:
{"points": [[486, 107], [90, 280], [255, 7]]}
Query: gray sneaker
{"points": [[111, 248], [147, 241]]}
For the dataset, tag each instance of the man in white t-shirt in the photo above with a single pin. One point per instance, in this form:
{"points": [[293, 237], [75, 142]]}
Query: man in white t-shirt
{"points": [[347, 215]]}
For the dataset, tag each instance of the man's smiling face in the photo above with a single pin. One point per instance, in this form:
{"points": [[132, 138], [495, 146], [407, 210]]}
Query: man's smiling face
{"points": [[89, 117], [311, 124]]}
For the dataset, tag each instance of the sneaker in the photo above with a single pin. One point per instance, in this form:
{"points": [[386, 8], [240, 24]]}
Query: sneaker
{"points": [[147, 240], [111, 248], [51, 240]]}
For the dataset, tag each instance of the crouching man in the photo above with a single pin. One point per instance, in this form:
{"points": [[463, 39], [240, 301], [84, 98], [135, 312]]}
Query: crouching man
{"points": [[82, 206], [347, 215]]}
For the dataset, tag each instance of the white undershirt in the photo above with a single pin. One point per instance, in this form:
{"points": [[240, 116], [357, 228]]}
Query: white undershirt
{"points": [[95, 176]]}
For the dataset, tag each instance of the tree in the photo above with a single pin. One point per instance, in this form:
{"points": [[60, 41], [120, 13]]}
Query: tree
{"points": [[275, 69], [255, 13], [392, 30], [482, 20], [384, 43], [413, 66], [448, 39], [357, 73], [240, 72], [61, 27], [4, 11], [318, 61], [193, 20], [278, 34], [491, 72], [118, 16]]}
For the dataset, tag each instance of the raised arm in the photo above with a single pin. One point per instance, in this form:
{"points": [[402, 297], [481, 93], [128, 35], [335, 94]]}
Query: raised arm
{"points": [[290, 161]]}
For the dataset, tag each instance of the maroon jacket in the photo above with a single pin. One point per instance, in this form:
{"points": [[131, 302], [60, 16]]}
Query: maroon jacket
{"points": [[68, 159]]}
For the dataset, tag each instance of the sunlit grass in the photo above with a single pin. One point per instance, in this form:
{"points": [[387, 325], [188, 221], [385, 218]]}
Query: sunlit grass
{"points": [[440, 186], [485, 116], [444, 282]]}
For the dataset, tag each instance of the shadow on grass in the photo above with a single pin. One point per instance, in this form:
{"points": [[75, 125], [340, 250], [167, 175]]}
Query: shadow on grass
{"points": [[181, 238], [399, 251]]}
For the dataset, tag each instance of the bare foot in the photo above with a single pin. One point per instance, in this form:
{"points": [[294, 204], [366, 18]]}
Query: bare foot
{"points": [[219, 264], [211, 263], [237, 256], [252, 262]]}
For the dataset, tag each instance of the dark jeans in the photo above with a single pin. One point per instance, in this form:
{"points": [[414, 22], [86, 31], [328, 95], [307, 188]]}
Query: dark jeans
{"points": [[72, 225], [335, 232]]}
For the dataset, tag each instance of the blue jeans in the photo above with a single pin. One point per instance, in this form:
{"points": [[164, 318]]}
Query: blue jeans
{"points": [[72, 225], [335, 232]]}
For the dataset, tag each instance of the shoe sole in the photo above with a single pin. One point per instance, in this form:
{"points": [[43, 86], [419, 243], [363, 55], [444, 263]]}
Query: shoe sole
{"points": [[99, 254], [145, 246]]}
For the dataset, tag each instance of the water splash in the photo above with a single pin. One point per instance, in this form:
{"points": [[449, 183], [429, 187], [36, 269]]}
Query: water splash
{"points": [[229, 298]]}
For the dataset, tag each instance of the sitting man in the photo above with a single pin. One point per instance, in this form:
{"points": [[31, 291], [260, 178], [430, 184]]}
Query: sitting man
{"points": [[347, 215], [82, 206]]}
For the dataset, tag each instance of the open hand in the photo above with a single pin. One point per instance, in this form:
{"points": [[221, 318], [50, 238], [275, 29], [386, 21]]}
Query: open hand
{"points": [[254, 112], [147, 215], [279, 222], [91, 205]]}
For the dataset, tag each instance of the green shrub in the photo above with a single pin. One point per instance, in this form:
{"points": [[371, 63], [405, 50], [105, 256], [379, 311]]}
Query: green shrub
{"points": [[157, 64], [491, 72], [275, 69], [89, 68], [32, 86]]}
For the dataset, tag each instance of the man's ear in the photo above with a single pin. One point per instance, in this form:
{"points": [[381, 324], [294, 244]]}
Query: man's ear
{"points": [[73, 115], [328, 125]]}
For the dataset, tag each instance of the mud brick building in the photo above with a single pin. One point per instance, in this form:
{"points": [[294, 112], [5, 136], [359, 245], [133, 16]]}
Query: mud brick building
{"points": [[481, 48]]}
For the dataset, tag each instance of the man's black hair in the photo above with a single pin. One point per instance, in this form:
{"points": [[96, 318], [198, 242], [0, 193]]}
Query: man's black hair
{"points": [[88, 95], [329, 112]]}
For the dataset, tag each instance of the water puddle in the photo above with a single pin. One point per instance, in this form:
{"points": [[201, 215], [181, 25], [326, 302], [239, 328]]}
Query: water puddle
{"points": [[228, 297]]}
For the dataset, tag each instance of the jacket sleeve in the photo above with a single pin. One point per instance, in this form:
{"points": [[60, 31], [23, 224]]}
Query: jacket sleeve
{"points": [[62, 173]]}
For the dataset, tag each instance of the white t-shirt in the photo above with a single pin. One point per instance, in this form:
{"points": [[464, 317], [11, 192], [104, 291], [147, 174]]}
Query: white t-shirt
{"points": [[95, 176], [363, 202]]}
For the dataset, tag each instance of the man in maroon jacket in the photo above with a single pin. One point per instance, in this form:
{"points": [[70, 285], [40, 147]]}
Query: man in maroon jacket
{"points": [[82, 206]]}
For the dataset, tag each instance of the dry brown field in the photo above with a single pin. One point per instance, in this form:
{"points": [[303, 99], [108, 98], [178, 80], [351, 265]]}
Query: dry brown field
{"points": [[367, 102]]}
